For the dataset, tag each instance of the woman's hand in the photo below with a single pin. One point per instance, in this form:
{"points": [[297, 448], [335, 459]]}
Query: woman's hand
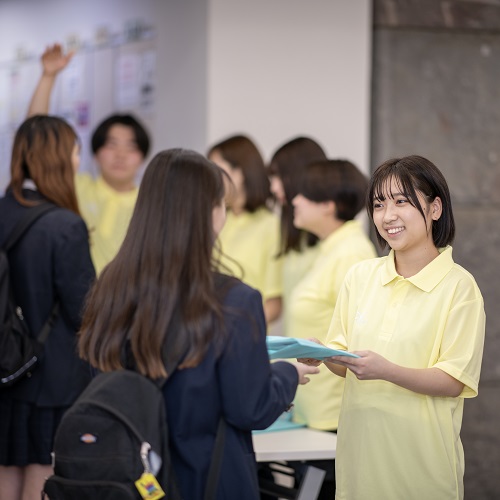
{"points": [[303, 370], [311, 361], [369, 366]]}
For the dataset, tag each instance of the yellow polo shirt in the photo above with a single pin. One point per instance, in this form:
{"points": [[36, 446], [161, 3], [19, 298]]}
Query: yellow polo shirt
{"points": [[394, 443], [107, 213], [295, 266], [251, 240], [311, 307]]}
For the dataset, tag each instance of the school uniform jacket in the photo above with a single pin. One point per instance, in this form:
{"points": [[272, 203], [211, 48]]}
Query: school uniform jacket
{"points": [[50, 263], [241, 386]]}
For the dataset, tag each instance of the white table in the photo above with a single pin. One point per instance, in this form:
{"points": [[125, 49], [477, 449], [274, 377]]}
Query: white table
{"points": [[296, 445]]}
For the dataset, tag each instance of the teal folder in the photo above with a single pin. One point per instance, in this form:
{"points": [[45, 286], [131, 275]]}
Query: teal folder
{"points": [[287, 347]]}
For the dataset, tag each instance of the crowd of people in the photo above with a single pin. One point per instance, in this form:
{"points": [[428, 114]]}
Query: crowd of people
{"points": [[192, 266]]}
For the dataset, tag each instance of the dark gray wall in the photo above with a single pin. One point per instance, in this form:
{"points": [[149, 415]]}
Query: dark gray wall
{"points": [[436, 92]]}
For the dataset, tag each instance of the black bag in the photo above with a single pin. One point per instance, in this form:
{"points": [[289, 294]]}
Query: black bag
{"points": [[20, 352], [116, 431]]}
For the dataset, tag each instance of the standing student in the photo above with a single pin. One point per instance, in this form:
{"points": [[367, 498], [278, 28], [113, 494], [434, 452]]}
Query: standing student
{"points": [[50, 264], [416, 319], [161, 301], [250, 237], [297, 247], [331, 194], [119, 144]]}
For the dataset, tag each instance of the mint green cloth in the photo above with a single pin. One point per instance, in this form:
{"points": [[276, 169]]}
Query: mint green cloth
{"points": [[283, 423]]}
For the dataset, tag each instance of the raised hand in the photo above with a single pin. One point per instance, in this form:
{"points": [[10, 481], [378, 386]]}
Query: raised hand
{"points": [[55, 60]]}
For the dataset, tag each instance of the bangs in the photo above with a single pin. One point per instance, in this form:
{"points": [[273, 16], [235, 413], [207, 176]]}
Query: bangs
{"points": [[381, 185]]}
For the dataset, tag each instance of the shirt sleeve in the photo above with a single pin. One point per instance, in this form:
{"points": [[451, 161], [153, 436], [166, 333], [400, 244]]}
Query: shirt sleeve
{"points": [[462, 344], [254, 391]]}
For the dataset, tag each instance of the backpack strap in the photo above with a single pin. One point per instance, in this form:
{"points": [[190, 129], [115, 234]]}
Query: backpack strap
{"points": [[218, 451], [49, 324], [25, 223], [216, 462], [16, 234]]}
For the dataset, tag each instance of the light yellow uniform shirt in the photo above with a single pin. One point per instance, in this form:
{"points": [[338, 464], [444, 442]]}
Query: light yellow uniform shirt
{"points": [[107, 213], [312, 303], [394, 443], [295, 266], [252, 240]]}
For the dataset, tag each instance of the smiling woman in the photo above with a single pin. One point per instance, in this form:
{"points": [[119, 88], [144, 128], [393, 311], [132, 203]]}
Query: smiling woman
{"points": [[416, 320], [412, 211]]}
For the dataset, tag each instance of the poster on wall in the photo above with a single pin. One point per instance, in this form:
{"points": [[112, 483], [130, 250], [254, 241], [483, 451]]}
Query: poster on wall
{"points": [[135, 81], [75, 91], [127, 90], [147, 83]]}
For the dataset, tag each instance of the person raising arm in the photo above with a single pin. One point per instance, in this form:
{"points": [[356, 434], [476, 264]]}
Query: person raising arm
{"points": [[120, 144]]}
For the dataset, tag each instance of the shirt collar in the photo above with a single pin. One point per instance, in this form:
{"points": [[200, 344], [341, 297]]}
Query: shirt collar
{"points": [[29, 184], [102, 185], [428, 277]]}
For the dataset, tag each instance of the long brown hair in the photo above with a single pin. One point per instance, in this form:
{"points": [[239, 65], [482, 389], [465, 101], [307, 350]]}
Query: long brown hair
{"points": [[159, 290], [42, 151]]}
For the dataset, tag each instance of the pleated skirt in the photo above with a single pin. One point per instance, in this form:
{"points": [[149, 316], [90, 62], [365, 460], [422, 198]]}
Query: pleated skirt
{"points": [[27, 432]]}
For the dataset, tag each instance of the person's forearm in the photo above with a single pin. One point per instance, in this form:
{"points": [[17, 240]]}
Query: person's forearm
{"points": [[428, 381], [336, 369], [39, 104], [272, 309]]}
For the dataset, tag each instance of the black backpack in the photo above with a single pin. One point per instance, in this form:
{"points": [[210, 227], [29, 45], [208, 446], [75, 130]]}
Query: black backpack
{"points": [[20, 352], [114, 433]]}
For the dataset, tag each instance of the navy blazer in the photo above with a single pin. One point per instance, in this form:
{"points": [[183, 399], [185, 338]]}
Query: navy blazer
{"points": [[241, 386], [51, 262]]}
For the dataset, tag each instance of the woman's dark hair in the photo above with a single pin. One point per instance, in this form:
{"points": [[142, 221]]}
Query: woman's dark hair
{"points": [[100, 135], [42, 151], [413, 175], [339, 181], [240, 152], [159, 290], [288, 163]]}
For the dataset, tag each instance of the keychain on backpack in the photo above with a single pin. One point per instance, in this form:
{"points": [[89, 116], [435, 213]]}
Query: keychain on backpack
{"points": [[148, 486]]}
